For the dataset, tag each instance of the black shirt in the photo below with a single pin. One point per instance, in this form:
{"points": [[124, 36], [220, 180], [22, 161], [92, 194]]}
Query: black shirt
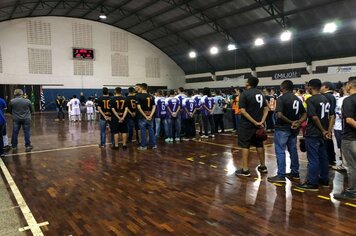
{"points": [[119, 104], [253, 101], [104, 104], [131, 103], [317, 105], [349, 111], [146, 101], [332, 101], [291, 107], [60, 102]]}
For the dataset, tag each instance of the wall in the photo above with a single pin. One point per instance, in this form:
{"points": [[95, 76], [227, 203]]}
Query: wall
{"points": [[14, 44]]}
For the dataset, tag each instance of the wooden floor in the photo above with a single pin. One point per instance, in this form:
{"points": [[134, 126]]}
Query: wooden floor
{"points": [[181, 189]]}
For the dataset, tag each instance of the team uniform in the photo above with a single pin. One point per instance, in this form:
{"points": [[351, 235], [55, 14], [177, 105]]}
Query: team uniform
{"points": [[330, 150], [286, 137], [271, 102], [161, 113], [253, 101], [2, 125], [119, 104], [338, 127], [188, 106], [146, 101], [132, 122], [90, 109], [104, 104], [75, 109], [60, 106], [219, 113], [173, 104], [198, 116], [318, 168], [207, 104]]}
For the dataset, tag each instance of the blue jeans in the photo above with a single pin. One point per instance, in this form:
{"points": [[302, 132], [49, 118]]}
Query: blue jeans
{"points": [[282, 140], [102, 124], [158, 126], [318, 163], [26, 124], [168, 126], [147, 124]]}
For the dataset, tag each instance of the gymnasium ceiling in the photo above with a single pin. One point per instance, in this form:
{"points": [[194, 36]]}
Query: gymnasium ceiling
{"points": [[179, 26]]}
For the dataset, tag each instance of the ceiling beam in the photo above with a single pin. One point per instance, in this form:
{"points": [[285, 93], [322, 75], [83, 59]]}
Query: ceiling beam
{"points": [[14, 9], [91, 10], [80, 2], [34, 8], [55, 6]]}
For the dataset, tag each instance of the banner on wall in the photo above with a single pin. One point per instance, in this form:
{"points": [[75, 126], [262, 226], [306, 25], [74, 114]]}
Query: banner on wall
{"points": [[286, 75], [228, 79], [341, 69]]}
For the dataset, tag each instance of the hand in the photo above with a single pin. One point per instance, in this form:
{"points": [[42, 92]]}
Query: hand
{"points": [[121, 120], [174, 114], [190, 114], [259, 124], [295, 124], [325, 134], [133, 114], [148, 118]]}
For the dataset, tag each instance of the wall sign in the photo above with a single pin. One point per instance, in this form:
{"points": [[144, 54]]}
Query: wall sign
{"points": [[341, 69], [286, 75]]}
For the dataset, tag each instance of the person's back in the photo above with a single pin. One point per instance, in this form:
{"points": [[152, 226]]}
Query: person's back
{"points": [[320, 107], [220, 103], [253, 101], [20, 108]]}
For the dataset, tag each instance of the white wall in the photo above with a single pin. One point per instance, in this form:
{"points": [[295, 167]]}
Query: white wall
{"points": [[13, 43]]}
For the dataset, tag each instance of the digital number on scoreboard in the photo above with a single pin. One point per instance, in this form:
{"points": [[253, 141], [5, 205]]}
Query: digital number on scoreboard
{"points": [[83, 53]]}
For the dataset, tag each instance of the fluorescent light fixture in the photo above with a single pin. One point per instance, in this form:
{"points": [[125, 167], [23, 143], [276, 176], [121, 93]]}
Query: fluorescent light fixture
{"points": [[231, 47], [259, 42], [102, 16], [330, 27], [192, 54], [286, 36], [214, 50]]}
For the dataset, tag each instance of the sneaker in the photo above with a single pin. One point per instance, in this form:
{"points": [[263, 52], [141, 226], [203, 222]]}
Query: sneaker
{"points": [[339, 167], [171, 140], [204, 136], [167, 140], [101, 146], [213, 135], [185, 139], [154, 147], [262, 169], [124, 147], [177, 140], [308, 187], [28, 148], [14, 148], [7, 148], [277, 179], [141, 148], [324, 184], [345, 196], [292, 176], [2, 155], [241, 172]]}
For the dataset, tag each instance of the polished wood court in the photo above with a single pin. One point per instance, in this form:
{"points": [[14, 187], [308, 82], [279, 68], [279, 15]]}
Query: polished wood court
{"points": [[181, 189]]}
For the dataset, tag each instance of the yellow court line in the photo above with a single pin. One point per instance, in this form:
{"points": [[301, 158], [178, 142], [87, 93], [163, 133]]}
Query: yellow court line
{"points": [[203, 156], [298, 190], [213, 166], [323, 197], [280, 185], [200, 162], [350, 204], [190, 159]]}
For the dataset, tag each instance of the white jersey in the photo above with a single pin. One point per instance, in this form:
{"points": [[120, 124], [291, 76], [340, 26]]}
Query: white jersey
{"points": [[90, 106], [338, 113], [75, 103]]}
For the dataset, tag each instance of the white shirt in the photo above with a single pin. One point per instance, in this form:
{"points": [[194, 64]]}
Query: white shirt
{"points": [[75, 103], [338, 113]]}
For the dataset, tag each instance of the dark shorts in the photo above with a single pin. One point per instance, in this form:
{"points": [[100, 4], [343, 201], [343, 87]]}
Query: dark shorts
{"points": [[338, 136], [117, 127], [247, 137]]}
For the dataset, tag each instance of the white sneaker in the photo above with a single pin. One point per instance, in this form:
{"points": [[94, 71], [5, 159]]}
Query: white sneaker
{"points": [[177, 140], [185, 139], [204, 136], [339, 167], [171, 140], [213, 136], [167, 140]]}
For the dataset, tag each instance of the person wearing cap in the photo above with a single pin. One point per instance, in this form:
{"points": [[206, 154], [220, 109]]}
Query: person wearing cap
{"points": [[21, 109], [327, 89]]}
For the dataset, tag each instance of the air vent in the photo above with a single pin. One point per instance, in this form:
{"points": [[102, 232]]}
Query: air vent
{"points": [[82, 35], [40, 61], [152, 67], [119, 41], [120, 65], [0, 62], [83, 67], [38, 33]]}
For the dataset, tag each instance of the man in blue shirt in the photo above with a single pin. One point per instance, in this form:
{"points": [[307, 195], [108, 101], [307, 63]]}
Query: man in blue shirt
{"points": [[2, 125]]}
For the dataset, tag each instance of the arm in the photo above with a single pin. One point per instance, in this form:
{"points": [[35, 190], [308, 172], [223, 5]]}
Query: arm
{"points": [[152, 112], [247, 116], [124, 115], [284, 118], [351, 122], [115, 113], [141, 111], [331, 123], [100, 111], [319, 125]]}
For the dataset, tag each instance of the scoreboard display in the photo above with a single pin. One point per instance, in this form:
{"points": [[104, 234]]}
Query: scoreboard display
{"points": [[82, 53]]}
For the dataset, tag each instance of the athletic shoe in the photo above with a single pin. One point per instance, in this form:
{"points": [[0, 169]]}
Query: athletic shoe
{"points": [[324, 184], [7, 148], [241, 172], [276, 179], [2, 155], [213, 135], [292, 176], [14, 149], [204, 136], [101, 146], [308, 187], [124, 147], [262, 169], [345, 196], [154, 147], [141, 148], [167, 140], [185, 139], [339, 168], [176, 140], [28, 148]]}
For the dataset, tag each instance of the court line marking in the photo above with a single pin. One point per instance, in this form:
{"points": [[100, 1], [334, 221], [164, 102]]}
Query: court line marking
{"points": [[27, 227], [350, 204], [323, 197], [30, 219]]}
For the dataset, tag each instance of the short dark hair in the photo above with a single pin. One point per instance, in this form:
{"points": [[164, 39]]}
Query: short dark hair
{"points": [[181, 89], [171, 92], [268, 90], [190, 93], [253, 81], [352, 78], [105, 91], [287, 85], [206, 91], [328, 85], [131, 89], [74, 96], [118, 90], [144, 86], [160, 92], [315, 84]]}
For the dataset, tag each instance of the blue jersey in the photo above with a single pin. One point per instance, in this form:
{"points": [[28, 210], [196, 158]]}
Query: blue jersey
{"points": [[2, 111], [189, 105], [173, 104], [181, 97], [161, 110], [197, 99], [207, 102]]}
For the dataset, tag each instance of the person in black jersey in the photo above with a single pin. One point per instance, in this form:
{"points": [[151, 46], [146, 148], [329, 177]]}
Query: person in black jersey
{"points": [[119, 110], [105, 115], [290, 115], [318, 130], [132, 121], [60, 106], [146, 109], [254, 111], [327, 89], [348, 143]]}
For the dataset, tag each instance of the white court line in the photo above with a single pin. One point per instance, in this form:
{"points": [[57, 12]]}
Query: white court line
{"points": [[30, 219], [28, 227]]}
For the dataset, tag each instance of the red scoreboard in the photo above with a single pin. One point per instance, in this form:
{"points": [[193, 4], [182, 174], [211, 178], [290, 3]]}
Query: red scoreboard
{"points": [[82, 53]]}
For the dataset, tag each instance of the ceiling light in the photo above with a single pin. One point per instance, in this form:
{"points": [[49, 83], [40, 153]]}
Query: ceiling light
{"points": [[259, 42], [192, 54], [330, 27], [102, 16], [231, 47], [286, 36], [214, 50]]}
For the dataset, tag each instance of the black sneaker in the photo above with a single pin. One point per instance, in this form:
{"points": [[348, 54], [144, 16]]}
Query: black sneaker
{"points": [[241, 172], [345, 196], [7, 148], [292, 176], [324, 184], [262, 169], [114, 147], [308, 187], [276, 179], [28, 148]]}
